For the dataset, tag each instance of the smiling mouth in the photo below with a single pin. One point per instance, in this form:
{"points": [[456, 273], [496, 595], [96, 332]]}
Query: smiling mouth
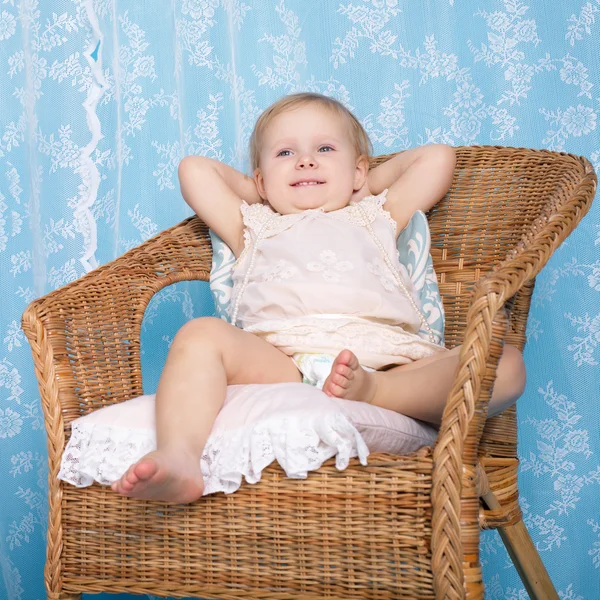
{"points": [[307, 183]]}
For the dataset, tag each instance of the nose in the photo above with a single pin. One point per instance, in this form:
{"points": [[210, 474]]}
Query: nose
{"points": [[306, 161]]}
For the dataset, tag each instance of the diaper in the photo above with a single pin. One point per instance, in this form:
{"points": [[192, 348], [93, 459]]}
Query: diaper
{"points": [[315, 368]]}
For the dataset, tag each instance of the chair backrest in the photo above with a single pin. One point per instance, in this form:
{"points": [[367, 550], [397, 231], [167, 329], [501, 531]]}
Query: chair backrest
{"points": [[496, 195]]}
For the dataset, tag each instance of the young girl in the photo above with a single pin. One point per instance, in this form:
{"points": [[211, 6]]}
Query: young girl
{"points": [[317, 274]]}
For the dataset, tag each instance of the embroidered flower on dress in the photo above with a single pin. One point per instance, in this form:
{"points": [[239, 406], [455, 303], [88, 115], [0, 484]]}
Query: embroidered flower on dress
{"points": [[386, 277], [330, 267], [279, 271]]}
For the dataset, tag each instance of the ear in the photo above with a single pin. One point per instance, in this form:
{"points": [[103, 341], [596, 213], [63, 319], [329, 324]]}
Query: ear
{"points": [[361, 172], [260, 184]]}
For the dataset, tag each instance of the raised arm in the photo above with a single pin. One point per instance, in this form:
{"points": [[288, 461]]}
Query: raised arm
{"points": [[215, 191], [416, 180]]}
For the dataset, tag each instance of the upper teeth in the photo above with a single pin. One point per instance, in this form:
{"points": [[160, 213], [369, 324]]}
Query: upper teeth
{"points": [[308, 183]]}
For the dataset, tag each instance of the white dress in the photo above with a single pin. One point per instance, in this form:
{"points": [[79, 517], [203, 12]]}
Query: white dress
{"points": [[318, 282]]}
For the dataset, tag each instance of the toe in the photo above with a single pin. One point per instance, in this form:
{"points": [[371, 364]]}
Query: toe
{"points": [[344, 371], [146, 469], [125, 486], [337, 390], [117, 486], [346, 359], [131, 477], [349, 359], [340, 381]]}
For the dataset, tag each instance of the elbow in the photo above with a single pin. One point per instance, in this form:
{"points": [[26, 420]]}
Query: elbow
{"points": [[444, 156], [190, 168], [189, 164], [186, 164], [191, 171], [442, 160]]}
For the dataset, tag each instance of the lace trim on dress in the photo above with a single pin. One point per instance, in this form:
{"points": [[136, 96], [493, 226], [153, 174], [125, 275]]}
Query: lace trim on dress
{"points": [[256, 216], [375, 344], [374, 335], [372, 207], [382, 199]]}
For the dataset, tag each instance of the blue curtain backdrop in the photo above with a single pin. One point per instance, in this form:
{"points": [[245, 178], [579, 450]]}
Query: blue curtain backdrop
{"points": [[101, 99]]}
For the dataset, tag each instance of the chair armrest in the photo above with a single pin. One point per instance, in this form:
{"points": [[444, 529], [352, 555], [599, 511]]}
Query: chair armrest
{"points": [[454, 495], [85, 336]]}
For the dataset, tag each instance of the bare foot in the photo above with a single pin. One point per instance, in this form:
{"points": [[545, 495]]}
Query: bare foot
{"points": [[349, 380], [162, 476]]}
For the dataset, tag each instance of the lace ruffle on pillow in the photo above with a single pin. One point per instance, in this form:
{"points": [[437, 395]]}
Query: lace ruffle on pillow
{"points": [[294, 424]]}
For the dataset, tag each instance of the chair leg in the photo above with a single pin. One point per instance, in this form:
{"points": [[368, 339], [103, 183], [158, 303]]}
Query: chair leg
{"points": [[524, 555]]}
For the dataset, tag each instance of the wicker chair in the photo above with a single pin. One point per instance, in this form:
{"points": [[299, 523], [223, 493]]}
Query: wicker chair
{"points": [[401, 527]]}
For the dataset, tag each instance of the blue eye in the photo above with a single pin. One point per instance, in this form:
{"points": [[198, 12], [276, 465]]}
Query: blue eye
{"points": [[323, 147], [282, 151]]}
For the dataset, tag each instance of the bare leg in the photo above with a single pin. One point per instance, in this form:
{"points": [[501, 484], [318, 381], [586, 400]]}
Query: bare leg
{"points": [[207, 354], [420, 389]]}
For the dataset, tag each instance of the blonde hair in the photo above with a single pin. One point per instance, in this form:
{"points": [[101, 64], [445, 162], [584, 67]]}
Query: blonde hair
{"points": [[362, 143]]}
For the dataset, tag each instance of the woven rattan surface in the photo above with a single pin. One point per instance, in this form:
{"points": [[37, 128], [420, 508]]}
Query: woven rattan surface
{"points": [[402, 527], [305, 527]]}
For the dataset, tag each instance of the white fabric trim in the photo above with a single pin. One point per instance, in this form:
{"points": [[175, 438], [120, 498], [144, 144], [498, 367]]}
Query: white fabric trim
{"points": [[294, 424]]}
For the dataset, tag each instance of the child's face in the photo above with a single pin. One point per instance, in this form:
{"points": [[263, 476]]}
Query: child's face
{"points": [[309, 143]]}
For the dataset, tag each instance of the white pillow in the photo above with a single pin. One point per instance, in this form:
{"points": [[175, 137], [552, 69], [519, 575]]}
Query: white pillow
{"points": [[384, 430], [293, 423]]}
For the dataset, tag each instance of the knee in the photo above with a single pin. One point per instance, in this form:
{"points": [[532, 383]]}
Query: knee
{"points": [[512, 370], [200, 332]]}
